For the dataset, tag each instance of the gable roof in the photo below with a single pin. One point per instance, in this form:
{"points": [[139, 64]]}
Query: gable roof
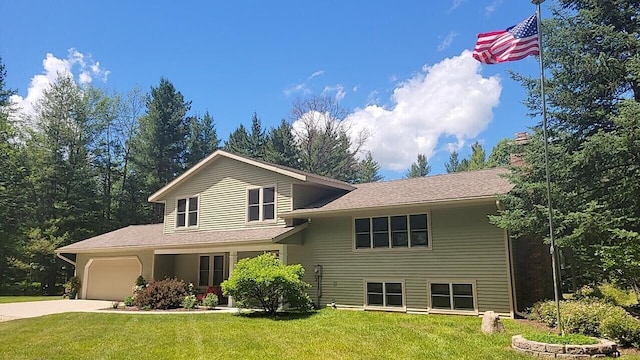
{"points": [[287, 171], [447, 188], [152, 236]]}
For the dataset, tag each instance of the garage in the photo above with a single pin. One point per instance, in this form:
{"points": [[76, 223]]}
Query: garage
{"points": [[110, 278]]}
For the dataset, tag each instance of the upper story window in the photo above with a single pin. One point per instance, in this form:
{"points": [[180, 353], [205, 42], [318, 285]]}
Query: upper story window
{"points": [[401, 231], [187, 212], [261, 204]]}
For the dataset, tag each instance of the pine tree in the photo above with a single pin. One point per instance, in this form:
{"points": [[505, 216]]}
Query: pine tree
{"points": [[280, 147], [238, 142], [478, 159], [368, 170], [160, 147], [257, 139], [202, 140], [419, 168], [454, 165]]}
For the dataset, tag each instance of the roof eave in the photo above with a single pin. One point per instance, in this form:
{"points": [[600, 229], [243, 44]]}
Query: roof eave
{"points": [[441, 202]]}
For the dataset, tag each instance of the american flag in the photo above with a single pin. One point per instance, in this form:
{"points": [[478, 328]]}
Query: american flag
{"points": [[515, 43]]}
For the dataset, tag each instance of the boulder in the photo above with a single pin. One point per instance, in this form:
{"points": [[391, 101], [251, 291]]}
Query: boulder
{"points": [[491, 323]]}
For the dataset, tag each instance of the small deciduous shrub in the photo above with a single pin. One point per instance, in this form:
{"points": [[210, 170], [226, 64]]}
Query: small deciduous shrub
{"points": [[189, 302], [609, 293], [264, 281], [210, 301], [163, 294], [591, 317], [128, 301]]}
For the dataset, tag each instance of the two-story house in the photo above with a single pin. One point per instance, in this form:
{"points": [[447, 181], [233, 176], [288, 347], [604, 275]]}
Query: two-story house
{"points": [[413, 245]]}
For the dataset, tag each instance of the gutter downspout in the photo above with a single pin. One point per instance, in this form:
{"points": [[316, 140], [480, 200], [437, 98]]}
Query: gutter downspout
{"points": [[66, 259]]}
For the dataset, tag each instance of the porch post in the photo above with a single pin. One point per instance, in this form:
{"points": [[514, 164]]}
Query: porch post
{"points": [[282, 253], [233, 259]]}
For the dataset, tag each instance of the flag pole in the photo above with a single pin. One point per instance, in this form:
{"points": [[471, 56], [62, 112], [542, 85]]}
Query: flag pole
{"points": [[552, 248]]}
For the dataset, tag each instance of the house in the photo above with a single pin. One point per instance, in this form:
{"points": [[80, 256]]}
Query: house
{"points": [[412, 245]]}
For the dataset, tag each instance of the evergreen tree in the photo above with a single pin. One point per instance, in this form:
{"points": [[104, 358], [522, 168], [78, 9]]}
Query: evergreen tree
{"points": [[454, 165], [501, 154], [160, 145], [280, 147], [257, 139], [202, 140], [419, 168], [593, 93], [478, 159], [12, 186], [62, 186], [238, 142], [368, 170]]}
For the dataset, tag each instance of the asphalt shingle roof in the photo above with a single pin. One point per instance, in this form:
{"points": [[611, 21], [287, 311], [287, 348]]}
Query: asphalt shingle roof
{"points": [[152, 236], [468, 185]]}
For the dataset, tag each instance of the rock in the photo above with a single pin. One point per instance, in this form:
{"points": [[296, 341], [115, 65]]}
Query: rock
{"points": [[491, 323]]}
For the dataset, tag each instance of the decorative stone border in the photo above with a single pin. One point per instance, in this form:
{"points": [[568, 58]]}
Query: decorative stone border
{"points": [[605, 348]]}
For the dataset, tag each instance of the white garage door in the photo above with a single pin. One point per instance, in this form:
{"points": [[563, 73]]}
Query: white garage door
{"points": [[111, 278]]}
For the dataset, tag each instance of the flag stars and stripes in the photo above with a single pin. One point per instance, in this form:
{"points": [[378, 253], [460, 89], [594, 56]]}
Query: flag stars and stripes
{"points": [[514, 43]]}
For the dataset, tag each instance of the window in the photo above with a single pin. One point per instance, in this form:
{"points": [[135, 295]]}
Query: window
{"points": [[203, 279], [400, 231], [384, 294], [187, 212], [448, 296], [211, 270], [261, 204]]}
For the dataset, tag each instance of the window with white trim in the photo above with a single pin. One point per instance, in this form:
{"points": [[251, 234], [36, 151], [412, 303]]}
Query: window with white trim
{"points": [[398, 231], [449, 296], [187, 212], [261, 204], [385, 294]]}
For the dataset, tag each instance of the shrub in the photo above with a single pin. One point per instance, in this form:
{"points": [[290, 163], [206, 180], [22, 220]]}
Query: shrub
{"points": [[210, 301], [591, 317], [163, 294], [265, 281], [128, 301], [609, 293], [189, 302], [140, 281], [72, 287]]}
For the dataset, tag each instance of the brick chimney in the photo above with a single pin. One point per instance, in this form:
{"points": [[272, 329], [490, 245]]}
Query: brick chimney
{"points": [[521, 138]]}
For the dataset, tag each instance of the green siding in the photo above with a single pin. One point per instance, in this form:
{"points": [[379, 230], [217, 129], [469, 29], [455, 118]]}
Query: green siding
{"points": [[222, 187], [465, 247]]}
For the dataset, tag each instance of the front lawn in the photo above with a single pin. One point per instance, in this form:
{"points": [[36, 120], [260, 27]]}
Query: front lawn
{"points": [[328, 334], [14, 299]]}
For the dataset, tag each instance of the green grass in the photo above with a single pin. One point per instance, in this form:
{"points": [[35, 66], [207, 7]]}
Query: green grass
{"points": [[328, 334], [567, 339], [14, 299]]}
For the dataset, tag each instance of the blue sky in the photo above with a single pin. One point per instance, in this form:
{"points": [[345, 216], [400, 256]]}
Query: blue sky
{"points": [[402, 68]]}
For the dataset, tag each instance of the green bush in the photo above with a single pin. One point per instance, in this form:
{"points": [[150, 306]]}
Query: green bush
{"points": [[128, 301], [264, 281], [72, 287], [591, 317], [163, 294], [609, 293], [189, 302], [210, 301]]}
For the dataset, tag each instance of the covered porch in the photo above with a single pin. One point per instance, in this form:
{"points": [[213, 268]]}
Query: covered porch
{"points": [[207, 267]]}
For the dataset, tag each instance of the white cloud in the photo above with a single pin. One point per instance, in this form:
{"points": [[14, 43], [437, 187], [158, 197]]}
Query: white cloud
{"points": [[316, 74], [446, 42], [450, 98], [54, 67], [338, 89], [303, 87], [491, 8]]}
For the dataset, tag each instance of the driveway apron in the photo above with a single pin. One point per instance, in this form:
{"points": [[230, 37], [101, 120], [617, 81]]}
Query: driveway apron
{"points": [[12, 311]]}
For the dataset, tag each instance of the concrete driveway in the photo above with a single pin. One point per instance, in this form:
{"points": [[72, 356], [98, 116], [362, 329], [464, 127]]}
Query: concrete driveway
{"points": [[31, 309]]}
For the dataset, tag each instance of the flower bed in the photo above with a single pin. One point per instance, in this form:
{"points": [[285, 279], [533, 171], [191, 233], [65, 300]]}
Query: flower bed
{"points": [[603, 348]]}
